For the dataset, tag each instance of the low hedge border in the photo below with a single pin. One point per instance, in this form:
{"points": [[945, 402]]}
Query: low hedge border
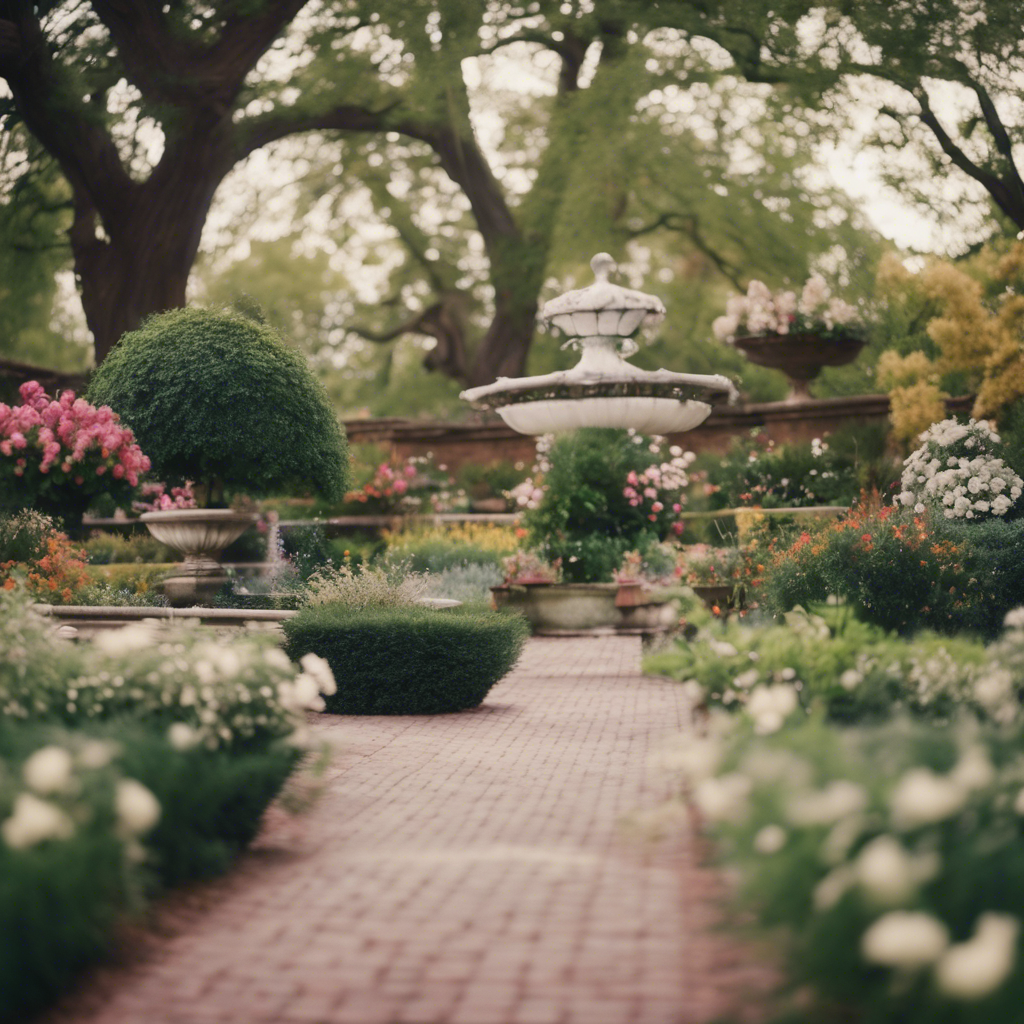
{"points": [[408, 661]]}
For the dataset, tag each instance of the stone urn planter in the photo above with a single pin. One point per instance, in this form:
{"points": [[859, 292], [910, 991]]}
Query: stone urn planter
{"points": [[553, 608], [200, 534], [801, 357]]}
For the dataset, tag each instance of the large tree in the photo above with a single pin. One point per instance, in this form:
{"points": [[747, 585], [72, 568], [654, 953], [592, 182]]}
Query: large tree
{"points": [[945, 77], [146, 106]]}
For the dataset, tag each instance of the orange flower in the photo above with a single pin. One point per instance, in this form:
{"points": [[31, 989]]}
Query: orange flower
{"points": [[9, 584]]}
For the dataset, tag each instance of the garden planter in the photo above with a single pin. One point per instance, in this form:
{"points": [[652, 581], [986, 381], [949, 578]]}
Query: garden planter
{"points": [[630, 594], [200, 534], [801, 357], [566, 607]]}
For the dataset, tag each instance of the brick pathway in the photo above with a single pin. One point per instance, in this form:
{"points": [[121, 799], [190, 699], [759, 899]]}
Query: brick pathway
{"points": [[466, 869]]}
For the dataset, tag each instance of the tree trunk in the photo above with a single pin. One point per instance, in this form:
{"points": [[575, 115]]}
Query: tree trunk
{"points": [[505, 346], [143, 263]]}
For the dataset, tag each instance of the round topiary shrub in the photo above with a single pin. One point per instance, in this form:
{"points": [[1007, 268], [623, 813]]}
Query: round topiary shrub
{"points": [[407, 660], [217, 398]]}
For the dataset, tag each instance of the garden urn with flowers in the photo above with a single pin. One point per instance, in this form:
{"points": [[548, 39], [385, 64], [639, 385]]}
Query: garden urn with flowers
{"points": [[799, 335], [217, 399]]}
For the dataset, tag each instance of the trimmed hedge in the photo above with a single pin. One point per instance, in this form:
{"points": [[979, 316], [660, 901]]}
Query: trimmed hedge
{"points": [[214, 396], [408, 661]]}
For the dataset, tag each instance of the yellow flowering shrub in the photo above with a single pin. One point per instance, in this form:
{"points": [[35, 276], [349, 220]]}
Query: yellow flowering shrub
{"points": [[978, 334]]}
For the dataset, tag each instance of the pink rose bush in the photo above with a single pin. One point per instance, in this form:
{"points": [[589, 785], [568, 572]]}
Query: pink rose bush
{"points": [[659, 491], [63, 451], [764, 312]]}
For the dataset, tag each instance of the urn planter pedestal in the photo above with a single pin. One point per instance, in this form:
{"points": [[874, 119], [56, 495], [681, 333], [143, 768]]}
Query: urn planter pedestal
{"points": [[801, 357], [200, 534]]}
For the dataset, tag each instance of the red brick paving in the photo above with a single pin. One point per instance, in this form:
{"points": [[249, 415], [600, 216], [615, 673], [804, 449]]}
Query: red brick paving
{"points": [[460, 869]]}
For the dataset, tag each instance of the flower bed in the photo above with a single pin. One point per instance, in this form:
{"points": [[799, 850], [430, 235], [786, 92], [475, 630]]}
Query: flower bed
{"points": [[867, 791], [127, 765]]}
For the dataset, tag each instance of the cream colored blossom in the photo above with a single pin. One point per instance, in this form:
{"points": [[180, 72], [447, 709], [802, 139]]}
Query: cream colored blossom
{"points": [[905, 939], [137, 809], [48, 770], [34, 821], [974, 969]]}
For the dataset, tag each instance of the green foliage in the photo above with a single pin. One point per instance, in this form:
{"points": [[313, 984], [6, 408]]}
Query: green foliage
{"points": [[757, 472], [217, 398], [211, 801], [105, 547], [903, 571], [434, 554], [899, 828], [584, 518], [408, 661], [849, 672]]}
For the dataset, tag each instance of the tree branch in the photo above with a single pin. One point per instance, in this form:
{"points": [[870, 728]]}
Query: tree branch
{"points": [[1010, 204], [63, 124]]}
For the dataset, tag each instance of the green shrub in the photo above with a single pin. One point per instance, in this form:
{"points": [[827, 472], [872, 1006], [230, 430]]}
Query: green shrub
{"points": [[106, 548], [851, 675], [63, 891], [584, 517], [885, 863], [408, 661], [212, 801], [903, 570], [239, 695], [219, 399], [436, 554], [64, 874]]}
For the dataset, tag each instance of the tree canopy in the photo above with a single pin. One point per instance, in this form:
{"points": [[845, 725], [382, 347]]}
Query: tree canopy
{"points": [[489, 145]]}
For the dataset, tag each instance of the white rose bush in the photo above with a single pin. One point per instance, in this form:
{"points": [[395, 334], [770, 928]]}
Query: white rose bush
{"points": [[867, 792], [958, 471], [132, 763]]}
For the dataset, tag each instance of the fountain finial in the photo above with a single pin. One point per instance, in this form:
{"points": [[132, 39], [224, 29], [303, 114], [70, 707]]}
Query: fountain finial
{"points": [[603, 266]]}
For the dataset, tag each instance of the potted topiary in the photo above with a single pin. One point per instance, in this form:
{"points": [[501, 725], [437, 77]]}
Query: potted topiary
{"points": [[218, 399]]}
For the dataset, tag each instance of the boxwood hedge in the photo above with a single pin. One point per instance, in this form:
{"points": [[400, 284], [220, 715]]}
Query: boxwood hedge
{"points": [[408, 661]]}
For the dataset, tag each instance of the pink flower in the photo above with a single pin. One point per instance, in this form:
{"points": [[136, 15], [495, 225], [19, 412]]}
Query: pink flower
{"points": [[677, 507], [657, 506]]}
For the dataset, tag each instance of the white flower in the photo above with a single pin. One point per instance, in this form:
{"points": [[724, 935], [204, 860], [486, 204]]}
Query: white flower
{"points": [[97, 753], [921, 798], [34, 821], [1014, 619], [137, 637], [276, 658], [48, 770], [770, 839], [137, 809], [977, 967], [722, 648], [890, 875], [205, 673], [838, 799], [904, 939], [723, 798], [770, 706], [320, 670], [851, 679], [831, 889], [974, 770], [182, 736], [696, 758], [747, 679]]}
